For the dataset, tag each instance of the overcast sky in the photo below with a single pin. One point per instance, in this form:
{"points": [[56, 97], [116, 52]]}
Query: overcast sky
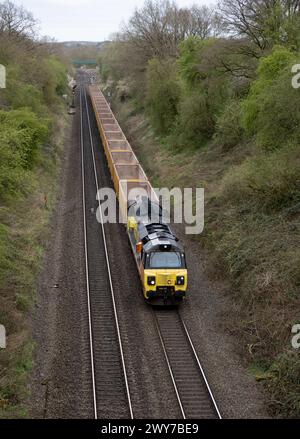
{"points": [[87, 20]]}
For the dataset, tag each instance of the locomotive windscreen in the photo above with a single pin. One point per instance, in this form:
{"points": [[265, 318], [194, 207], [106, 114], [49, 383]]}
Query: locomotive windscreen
{"points": [[167, 260]]}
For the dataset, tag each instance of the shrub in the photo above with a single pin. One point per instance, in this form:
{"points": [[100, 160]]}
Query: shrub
{"points": [[204, 93], [25, 133], [272, 112], [28, 96], [12, 172], [194, 124], [268, 181], [191, 53], [162, 94], [285, 384], [229, 131]]}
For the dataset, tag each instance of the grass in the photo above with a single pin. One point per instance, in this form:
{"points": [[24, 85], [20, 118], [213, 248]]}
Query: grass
{"points": [[251, 235], [23, 233]]}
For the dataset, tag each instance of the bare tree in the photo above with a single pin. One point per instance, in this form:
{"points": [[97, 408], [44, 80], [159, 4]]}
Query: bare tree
{"points": [[149, 28], [204, 22], [264, 22], [16, 22], [158, 27]]}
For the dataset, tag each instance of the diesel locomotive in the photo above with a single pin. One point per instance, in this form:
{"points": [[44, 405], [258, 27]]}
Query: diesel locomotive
{"points": [[159, 256]]}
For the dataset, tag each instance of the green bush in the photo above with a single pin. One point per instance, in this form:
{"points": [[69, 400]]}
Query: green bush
{"points": [[162, 94], [33, 85], [271, 112], [203, 97], [55, 80], [24, 132], [229, 131], [285, 384], [12, 173], [28, 96], [268, 181], [194, 125], [21, 138], [192, 51]]}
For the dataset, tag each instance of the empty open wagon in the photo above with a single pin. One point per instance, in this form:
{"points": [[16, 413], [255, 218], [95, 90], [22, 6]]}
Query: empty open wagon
{"points": [[116, 146], [114, 135], [124, 158], [108, 120], [110, 126], [104, 113], [130, 172], [119, 145]]}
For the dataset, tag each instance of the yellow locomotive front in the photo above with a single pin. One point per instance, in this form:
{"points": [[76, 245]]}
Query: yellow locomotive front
{"points": [[165, 273]]}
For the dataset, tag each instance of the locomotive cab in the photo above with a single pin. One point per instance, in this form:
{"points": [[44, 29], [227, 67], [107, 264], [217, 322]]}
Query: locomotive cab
{"points": [[160, 260], [165, 275]]}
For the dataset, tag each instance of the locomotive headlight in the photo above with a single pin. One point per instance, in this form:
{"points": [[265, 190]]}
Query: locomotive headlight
{"points": [[180, 280], [151, 280]]}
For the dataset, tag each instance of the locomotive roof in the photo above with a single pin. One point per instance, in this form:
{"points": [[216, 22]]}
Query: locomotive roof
{"points": [[158, 236]]}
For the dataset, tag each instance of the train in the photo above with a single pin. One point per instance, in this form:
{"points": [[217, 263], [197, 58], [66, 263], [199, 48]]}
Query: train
{"points": [[158, 254]]}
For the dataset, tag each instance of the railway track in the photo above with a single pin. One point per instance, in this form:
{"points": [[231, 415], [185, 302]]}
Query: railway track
{"points": [[111, 394], [193, 392]]}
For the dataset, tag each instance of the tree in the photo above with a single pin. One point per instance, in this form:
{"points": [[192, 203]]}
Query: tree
{"points": [[16, 22], [271, 110], [264, 22], [160, 25], [162, 94], [204, 22]]}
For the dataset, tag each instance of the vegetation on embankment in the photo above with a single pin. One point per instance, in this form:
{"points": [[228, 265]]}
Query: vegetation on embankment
{"points": [[32, 126], [208, 110]]}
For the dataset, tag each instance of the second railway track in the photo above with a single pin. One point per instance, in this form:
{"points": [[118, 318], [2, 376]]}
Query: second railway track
{"points": [[192, 390]]}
